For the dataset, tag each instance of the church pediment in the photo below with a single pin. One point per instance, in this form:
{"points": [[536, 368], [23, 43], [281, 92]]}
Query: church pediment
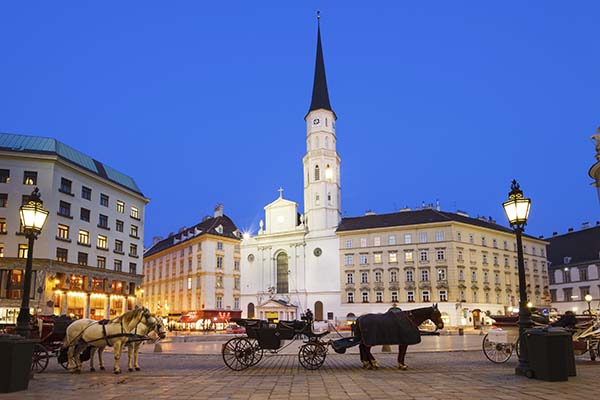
{"points": [[277, 304]]}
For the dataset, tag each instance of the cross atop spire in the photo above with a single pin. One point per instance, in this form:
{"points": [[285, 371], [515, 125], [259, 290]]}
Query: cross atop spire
{"points": [[320, 94], [280, 190]]}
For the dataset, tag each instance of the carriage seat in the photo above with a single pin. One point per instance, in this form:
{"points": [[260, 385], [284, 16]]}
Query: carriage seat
{"points": [[320, 334]]}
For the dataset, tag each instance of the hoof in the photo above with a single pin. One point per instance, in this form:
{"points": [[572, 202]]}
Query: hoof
{"points": [[138, 369], [402, 367], [92, 369], [102, 368], [366, 365], [117, 372], [130, 369], [375, 365]]}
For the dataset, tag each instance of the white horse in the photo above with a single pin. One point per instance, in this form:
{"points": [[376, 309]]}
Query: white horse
{"points": [[133, 345], [115, 333]]}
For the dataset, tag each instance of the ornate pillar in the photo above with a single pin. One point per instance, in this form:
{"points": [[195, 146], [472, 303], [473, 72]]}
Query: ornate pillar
{"points": [[86, 306]]}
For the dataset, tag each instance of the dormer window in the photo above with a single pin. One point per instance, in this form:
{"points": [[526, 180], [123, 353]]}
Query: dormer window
{"points": [[317, 173], [219, 229], [566, 260]]}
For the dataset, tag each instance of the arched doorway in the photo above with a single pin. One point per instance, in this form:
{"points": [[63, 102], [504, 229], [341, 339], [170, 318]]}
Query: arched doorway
{"points": [[250, 310], [282, 272], [318, 311]]}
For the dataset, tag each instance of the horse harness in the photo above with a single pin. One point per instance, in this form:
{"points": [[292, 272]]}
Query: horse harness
{"points": [[133, 337]]}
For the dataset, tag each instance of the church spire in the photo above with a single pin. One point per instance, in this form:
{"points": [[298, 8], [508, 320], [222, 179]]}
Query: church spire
{"points": [[320, 95]]}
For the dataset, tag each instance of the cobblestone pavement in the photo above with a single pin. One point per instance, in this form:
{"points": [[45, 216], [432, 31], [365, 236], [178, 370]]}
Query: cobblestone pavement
{"points": [[432, 375]]}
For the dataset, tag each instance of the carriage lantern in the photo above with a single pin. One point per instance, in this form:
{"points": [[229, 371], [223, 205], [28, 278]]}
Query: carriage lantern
{"points": [[33, 217], [517, 212]]}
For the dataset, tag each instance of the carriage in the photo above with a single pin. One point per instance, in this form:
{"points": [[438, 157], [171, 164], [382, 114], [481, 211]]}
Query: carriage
{"points": [[503, 340], [242, 352], [51, 333]]}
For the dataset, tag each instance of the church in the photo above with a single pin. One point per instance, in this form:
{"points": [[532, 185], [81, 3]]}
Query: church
{"points": [[292, 264]]}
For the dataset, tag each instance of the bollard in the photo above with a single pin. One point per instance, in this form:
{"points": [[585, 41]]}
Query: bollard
{"points": [[461, 331], [157, 347], [386, 348]]}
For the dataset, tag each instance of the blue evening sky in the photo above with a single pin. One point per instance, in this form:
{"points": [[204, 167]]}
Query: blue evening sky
{"points": [[203, 102]]}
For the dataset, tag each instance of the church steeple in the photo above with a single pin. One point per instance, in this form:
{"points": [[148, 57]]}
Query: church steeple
{"points": [[320, 94]]}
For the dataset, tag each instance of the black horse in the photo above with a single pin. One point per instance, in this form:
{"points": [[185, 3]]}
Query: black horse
{"points": [[393, 327]]}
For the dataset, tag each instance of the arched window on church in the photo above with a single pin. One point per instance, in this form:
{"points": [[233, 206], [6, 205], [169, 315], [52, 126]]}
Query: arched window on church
{"points": [[282, 273], [328, 173], [317, 173]]}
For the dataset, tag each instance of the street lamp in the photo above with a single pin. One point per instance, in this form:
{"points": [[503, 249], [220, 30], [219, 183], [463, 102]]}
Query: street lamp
{"points": [[33, 217], [588, 298], [517, 211]]}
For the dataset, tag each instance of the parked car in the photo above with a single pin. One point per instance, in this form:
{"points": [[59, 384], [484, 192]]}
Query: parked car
{"points": [[235, 328]]}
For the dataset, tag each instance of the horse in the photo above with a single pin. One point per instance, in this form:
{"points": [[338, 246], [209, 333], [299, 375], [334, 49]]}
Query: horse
{"points": [[393, 327], [116, 332], [133, 345]]}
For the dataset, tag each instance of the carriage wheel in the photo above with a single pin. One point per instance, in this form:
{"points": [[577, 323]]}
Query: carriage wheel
{"points": [[496, 352], [238, 353], [258, 351], [39, 359], [312, 355]]}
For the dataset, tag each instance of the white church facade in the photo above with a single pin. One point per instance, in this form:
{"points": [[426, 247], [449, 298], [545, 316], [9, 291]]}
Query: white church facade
{"points": [[292, 264]]}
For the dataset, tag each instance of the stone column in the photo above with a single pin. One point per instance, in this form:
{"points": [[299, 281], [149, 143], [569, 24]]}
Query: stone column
{"points": [[107, 307], [86, 306], [64, 305]]}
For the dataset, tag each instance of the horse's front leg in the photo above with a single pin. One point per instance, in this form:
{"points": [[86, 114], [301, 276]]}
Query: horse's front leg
{"points": [[401, 355], [118, 347], [372, 359], [78, 364], [100, 359], [92, 352], [71, 364], [130, 357], [136, 352]]}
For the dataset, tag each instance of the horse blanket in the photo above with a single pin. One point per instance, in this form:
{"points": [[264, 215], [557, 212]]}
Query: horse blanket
{"points": [[392, 327]]}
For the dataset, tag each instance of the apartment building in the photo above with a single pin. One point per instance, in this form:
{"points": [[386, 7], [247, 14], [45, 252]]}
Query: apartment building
{"points": [[87, 259]]}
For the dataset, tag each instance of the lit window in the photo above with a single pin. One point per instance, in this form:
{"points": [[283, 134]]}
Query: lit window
{"points": [[120, 206], [63, 232], [22, 251], [101, 262], [135, 213], [377, 258], [83, 237], [393, 257], [1, 249], [61, 254], [29, 178], [219, 281], [408, 256], [102, 242], [133, 231], [189, 283]]}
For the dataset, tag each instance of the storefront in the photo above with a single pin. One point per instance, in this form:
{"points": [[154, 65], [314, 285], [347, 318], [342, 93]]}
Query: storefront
{"points": [[205, 320]]}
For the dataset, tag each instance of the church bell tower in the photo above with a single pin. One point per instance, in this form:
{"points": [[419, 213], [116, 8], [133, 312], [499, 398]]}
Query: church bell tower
{"points": [[322, 193]]}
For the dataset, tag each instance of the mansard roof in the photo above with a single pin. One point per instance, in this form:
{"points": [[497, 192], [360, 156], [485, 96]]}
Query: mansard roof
{"points": [[581, 246]]}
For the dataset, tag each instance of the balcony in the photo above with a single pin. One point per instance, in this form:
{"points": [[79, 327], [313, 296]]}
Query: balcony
{"points": [[349, 286], [425, 285], [442, 284]]}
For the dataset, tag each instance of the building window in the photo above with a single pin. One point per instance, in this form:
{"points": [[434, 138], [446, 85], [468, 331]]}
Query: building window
{"points": [[133, 250], [423, 255], [103, 221], [133, 231], [425, 297], [471, 238], [364, 259], [583, 274], [439, 236], [496, 261], [551, 278], [461, 275], [363, 242], [219, 281], [118, 246], [86, 193], [349, 277], [505, 245], [2, 225], [119, 226], [443, 295], [236, 282], [410, 276], [393, 257], [135, 213], [317, 173], [219, 262], [394, 297], [485, 276], [458, 237], [410, 296], [3, 200], [407, 238], [83, 237], [483, 241], [408, 256], [219, 302], [474, 297], [460, 256], [379, 297], [506, 262], [496, 278], [393, 276], [29, 178], [348, 243], [568, 294], [350, 297], [103, 200], [365, 297], [349, 259], [392, 240], [423, 237], [440, 255], [82, 258], [22, 251], [64, 209], [553, 296], [219, 245], [566, 275], [133, 268], [236, 303], [84, 215], [495, 243], [101, 262], [377, 241], [473, 276], [377, 258], [102, 242], [62, 232], [236, 265], [378, 276], [4, 176], [425, 275], [441, 274], [61, 254], [484, 259], [120, 206], [364, 277], [118, 265]]}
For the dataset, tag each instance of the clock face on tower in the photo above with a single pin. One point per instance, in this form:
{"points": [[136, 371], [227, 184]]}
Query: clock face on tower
{"points": [[316, 121]]}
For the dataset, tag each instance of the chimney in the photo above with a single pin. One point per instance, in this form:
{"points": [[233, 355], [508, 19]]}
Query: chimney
{"points": [[554, 233], [437, 205], [585, 225], [218, 210], [570, 230], [541, 237], [370, 212], [156, 239]]}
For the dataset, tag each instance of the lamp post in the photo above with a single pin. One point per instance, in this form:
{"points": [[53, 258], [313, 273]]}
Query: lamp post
{"points": [[588, 298], [517, 211], [33, 217]]}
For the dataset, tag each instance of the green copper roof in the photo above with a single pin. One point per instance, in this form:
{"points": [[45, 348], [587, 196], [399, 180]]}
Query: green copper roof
{"points": [[36, 144]]}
